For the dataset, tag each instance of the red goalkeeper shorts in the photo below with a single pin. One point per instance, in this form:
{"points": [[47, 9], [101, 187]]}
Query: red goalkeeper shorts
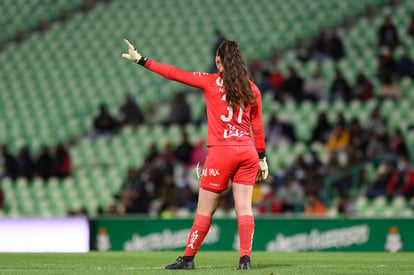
{"points": [[224, 163]]}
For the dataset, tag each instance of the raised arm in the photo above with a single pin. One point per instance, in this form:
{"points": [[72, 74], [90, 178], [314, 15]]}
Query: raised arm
{"points": [[194, 79]]}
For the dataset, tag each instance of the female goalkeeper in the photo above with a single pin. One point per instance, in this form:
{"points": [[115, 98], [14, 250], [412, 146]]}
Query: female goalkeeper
{"points": [[233, 105]]}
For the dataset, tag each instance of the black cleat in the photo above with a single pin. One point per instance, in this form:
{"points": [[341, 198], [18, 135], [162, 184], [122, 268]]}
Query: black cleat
{"points": [[181, 264], [244, 263]]}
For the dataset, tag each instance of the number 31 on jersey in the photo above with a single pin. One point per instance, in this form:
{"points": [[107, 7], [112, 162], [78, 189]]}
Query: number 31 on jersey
{"points": [[230, 114]]}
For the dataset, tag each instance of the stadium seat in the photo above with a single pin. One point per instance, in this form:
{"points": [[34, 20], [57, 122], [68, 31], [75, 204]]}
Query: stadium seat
{"points": [[398, 206], [380, 206]]}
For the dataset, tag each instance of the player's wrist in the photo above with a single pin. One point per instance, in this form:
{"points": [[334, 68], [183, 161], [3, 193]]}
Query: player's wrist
{"points": [[142, 61], [262, 155]]}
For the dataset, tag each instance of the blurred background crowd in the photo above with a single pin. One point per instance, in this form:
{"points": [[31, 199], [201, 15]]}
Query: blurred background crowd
{"points": [[103, 138]]}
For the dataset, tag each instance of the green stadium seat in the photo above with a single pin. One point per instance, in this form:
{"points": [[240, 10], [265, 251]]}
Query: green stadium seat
{"points": [[380, 206], [398, 206]]}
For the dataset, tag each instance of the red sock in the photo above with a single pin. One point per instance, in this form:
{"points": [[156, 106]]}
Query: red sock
{"points": [[246, 230], [198, 232]]}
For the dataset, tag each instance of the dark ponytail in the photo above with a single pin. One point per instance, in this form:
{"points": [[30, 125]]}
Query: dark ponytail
{"points": [[235, 75]]}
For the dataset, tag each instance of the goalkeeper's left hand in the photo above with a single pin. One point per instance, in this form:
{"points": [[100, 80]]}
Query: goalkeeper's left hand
{"points": [[132, 54], [263, 170]]}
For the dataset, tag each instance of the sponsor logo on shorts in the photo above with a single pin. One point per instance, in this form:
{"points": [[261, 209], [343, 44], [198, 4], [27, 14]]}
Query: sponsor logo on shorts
{"points": [[211, 172], [214, 184]]}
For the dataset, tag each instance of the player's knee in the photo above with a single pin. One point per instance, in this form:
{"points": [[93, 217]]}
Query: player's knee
{"points": [[245, 209]]}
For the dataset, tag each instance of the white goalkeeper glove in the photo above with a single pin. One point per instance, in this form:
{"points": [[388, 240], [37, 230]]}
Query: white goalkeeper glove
{"points": [[132, 54], [263, 170]]}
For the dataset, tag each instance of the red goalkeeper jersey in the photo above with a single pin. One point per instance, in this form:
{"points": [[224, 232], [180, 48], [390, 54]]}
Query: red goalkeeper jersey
{"points": [[225, 125]]}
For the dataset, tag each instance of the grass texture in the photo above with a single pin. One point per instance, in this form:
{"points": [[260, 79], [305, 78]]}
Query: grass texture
{"points": [[207, 263]]}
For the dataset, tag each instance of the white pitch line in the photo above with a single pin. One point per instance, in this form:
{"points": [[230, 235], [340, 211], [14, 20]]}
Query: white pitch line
{"points": [[107, 269]]}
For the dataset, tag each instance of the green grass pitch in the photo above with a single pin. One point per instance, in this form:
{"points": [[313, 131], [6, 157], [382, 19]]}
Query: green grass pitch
{"points": [[207, 263]]}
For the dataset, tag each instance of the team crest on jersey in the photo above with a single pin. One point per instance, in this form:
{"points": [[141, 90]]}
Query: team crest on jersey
{"points": [[219, 82]]}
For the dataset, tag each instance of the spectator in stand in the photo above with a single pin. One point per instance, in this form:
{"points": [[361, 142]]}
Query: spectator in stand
{"points": [[388, 34], [199, 153], [168, 194], [333, 166], [376, 124], [267, 81], [174, 195], [299, 169], [355, 128], [169, 152], [292, 86], [130, 113], [275, 78], [279, 132], [315, 87], [363, 89], [402, 181], [340, 118], [338, 140], [357, 141], [322, 129], [314, 165], [340, 89], [183, 151], [256, 70], [314, 206], [405, 66], [9, 162], [262, 80], [62, 162], [25, 165], [291, 195], [160, 168], [376, 146], [44, 164], [219, 37], [397, 144], [346, 208], [104, 124], [133, 194], [303, 49], [186, 197], [327, 44], [376, 129], [335, 47], [387, 74], [180, 110], [153, 153], [379, 186], [146, 176], [319, 46], [410, 29], [386, 71]]}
